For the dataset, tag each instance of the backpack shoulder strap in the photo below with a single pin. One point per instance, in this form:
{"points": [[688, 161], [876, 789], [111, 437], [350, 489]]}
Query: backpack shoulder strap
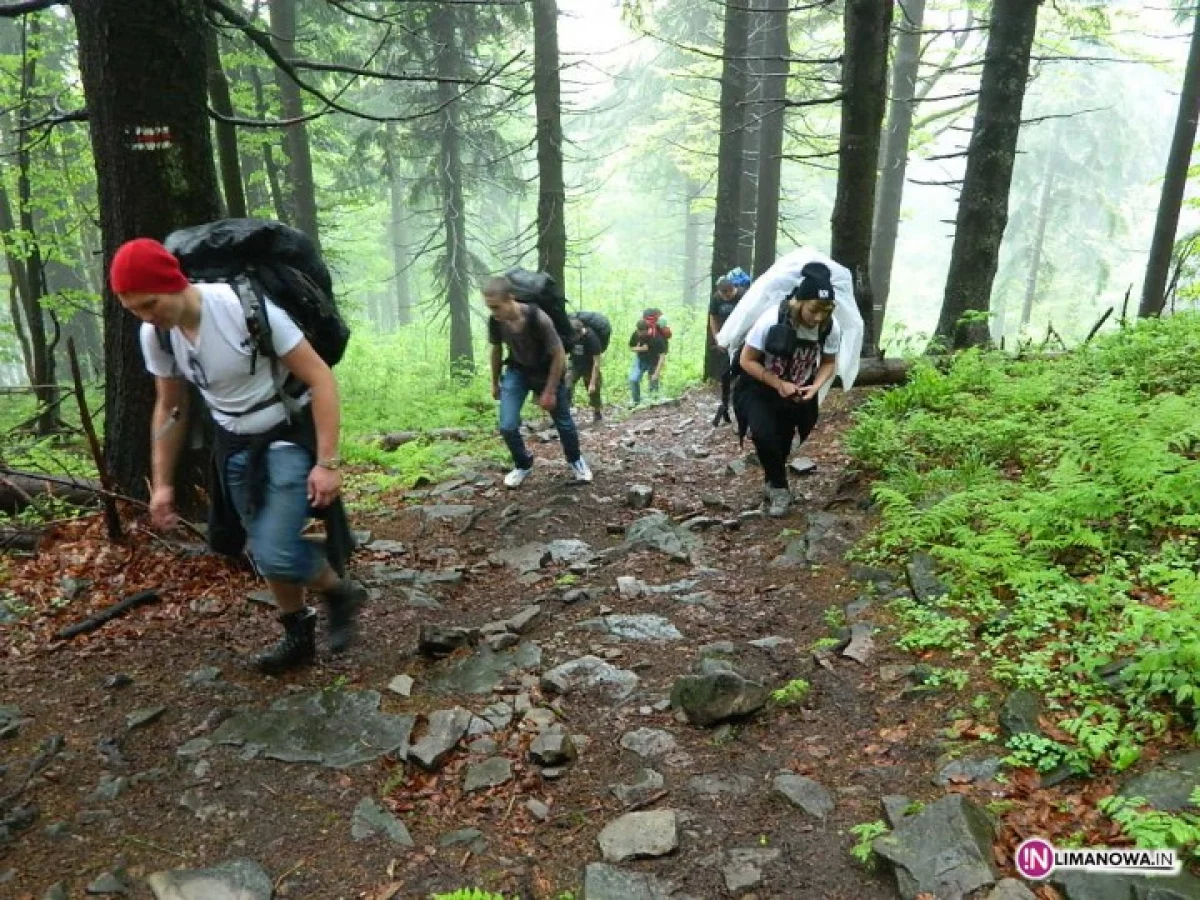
{"points": [[259, 326]]}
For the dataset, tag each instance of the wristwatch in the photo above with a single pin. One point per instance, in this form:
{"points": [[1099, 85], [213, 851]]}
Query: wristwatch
{"points": [[333, 464]]}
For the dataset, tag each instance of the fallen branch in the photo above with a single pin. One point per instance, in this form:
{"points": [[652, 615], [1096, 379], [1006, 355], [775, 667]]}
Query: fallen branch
{"points": [[47, 750], [19, 540], [101, 618], [1099, 324], [112, 518]]}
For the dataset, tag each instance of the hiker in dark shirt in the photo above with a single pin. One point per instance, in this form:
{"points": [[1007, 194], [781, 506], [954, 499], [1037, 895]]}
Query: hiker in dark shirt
{"points": [[649, 353], [536, 362], [586, 356], [729, 290]]}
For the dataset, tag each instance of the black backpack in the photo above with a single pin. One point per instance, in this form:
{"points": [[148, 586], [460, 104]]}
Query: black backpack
{"points": [[542, 291], [599, 325], [261, 257]]}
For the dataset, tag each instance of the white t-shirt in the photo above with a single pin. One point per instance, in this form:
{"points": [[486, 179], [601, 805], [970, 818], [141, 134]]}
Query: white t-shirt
{"points": [[219, 362], [801, 369]]}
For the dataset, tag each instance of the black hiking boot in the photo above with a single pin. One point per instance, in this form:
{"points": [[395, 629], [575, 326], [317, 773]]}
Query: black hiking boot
{"points": [[341, 608], [722, 413], [297, 647]]}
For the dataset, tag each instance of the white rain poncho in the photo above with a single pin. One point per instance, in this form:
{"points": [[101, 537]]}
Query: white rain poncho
{"points": [[777, 282]]}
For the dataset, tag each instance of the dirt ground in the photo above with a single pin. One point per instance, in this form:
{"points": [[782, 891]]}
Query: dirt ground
{"points": [[860, 736]]}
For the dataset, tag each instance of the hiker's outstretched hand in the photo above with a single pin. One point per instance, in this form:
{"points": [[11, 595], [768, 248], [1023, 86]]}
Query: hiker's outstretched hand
{"points": [[162, 508], [546, 401], [323, 486]]}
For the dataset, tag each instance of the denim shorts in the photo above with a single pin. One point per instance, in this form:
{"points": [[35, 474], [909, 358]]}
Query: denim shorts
{"points": [[275, 529]]}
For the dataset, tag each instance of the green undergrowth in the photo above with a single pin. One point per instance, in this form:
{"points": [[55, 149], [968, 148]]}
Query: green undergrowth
{"points": [[1060, 499]]}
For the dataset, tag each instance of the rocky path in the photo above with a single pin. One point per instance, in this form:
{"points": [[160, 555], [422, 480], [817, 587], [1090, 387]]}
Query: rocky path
{"points": [[561, 692]]}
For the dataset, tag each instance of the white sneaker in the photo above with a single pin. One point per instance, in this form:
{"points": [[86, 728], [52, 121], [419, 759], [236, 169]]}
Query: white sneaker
{"points": [[581, 470], [516, 477]]}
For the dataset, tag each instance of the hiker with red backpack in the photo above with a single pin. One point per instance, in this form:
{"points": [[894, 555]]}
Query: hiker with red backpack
{"points": [[789, 355], [274, 403], [536, 362], [649, 347]]}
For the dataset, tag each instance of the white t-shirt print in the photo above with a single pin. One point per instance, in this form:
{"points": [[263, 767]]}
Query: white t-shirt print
{"points": [[219, 362], [801, 369]]}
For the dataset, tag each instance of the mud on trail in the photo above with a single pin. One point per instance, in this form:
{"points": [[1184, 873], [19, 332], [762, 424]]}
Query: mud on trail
{"points": [[530, 773]]}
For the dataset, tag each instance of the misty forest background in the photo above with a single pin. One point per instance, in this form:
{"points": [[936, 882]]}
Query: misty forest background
{"points": [[992, 172]]}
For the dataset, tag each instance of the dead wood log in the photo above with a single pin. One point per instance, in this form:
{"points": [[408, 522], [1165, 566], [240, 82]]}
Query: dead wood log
{"points": [[107, 615], [18, 489], [19, 540]]}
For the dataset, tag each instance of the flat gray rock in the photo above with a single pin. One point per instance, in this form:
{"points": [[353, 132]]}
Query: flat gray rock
{"points": [[446, 511], [605, 882], [922, 578], [638, 835], [1169, 784], [638, 627], [649, 742], [446, 729], [566, 551], [109, 884], [965, 771], [481, 672], [142, 717], [743, 867], [647, 784], [1112, 886], [1011, 889], [715, 785], [336, 729], [371, 819], [590, 675], [1020, 712], [488, 774], [418, 599], [238, 879], [657, 532], [861, 645], [944, 850], [804, 793], [524, 558]]}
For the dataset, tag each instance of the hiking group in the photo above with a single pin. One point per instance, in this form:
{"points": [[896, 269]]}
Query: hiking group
{"points": [[240, 313]]}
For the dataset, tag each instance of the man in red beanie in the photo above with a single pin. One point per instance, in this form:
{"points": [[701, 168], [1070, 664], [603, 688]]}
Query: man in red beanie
{"points": [[276, 446]]}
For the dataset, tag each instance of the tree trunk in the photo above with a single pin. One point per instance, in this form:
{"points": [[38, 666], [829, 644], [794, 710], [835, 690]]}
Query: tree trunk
{"points": [[283, 211], [731, 146], [752, 123], [1039, 239], [143, 67], [1162, 246], [295, 137], [398, 235], [17, 280], [983, 206], [450, 176], [864, 83], [776, 51], [41, 355], [894, 158], [227, 142], [552, 226]]}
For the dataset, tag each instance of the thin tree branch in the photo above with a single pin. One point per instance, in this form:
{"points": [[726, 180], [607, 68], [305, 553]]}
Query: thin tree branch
{"points": [[12, 10]]}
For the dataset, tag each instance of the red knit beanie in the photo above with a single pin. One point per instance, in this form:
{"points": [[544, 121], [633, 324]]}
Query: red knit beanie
{"points": [[144, 266]]}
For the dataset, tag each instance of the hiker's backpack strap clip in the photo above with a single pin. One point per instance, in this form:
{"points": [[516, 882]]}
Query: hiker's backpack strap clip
{"points": [[259, 327]]}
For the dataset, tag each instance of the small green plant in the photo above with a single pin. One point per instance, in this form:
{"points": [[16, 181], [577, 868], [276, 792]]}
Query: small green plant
{"points": [[913, 808], [567, 579], [1042, 753], [835, 617], [825, 643], [792, 693], [981, 702], [866, 833], [1154, 828]]}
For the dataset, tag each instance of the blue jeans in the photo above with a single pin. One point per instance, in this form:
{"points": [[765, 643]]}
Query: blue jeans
{"points": [[639, 368], [278, 550], [514, 387]]}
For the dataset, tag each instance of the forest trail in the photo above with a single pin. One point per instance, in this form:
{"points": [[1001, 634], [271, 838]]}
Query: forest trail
{"points": [[172, 759]]}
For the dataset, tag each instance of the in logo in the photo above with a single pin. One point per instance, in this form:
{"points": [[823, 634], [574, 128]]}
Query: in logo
{"points": [[1035, 858]]}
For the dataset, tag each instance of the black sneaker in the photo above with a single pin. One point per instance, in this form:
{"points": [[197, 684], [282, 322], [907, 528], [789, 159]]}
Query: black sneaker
{"points": [[297, 647], [341, 608]]}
